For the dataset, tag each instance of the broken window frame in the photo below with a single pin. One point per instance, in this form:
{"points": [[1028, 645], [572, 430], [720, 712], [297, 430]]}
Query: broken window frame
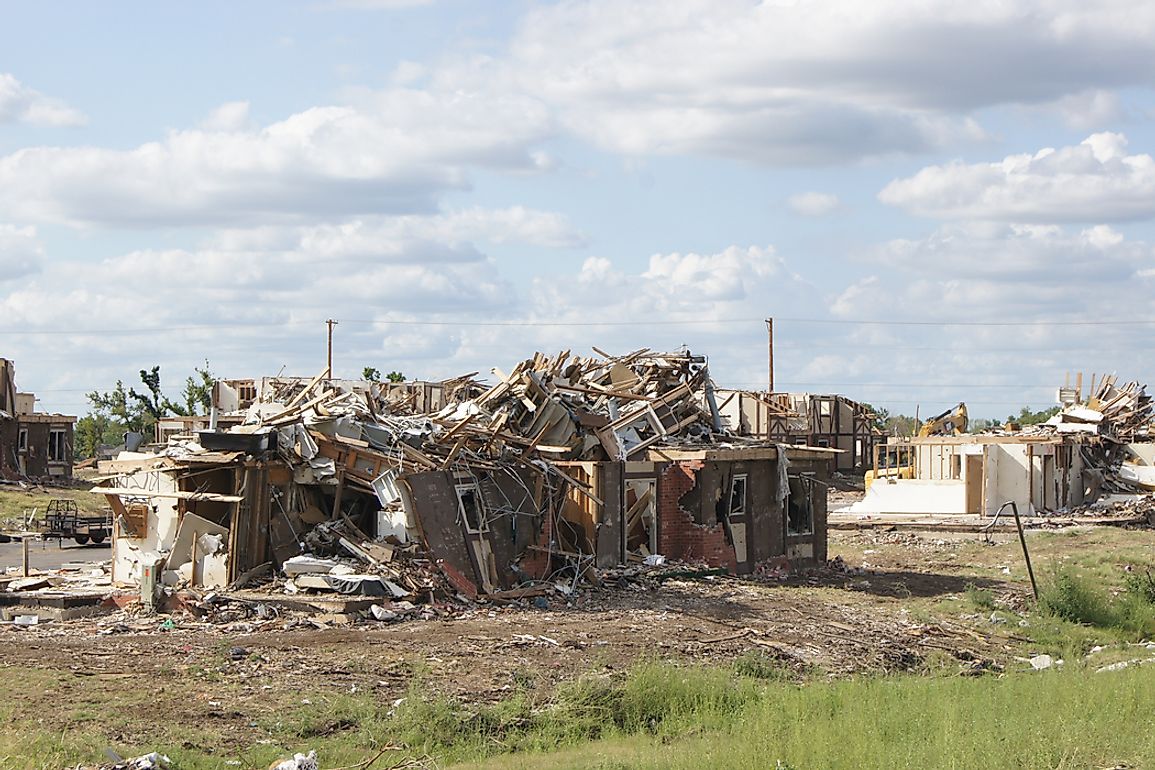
{"points": [[22, 440], [479, 524], [806, 482], [385, 486], [57, 445], [731, 511]]}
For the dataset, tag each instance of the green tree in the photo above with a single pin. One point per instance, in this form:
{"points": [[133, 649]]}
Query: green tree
{"points": [[879, 416], [118, 405], [395, 377], [198, 390], [126, 409], [982, 424], [95, 429], [153, 403], [371, 373], [900, 425], [1027, 417]]}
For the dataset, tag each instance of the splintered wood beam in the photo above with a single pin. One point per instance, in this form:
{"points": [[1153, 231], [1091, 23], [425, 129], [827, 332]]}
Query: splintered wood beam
{"points": [[418, 456], [457, 428], [176, 495], [325, 373], [453, 455], [577, 485]]}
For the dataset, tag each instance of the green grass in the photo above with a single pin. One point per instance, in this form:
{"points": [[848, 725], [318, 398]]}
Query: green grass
{"points": [[653, 699], [656, 716], [1052, 719], [982, 598], [16, 503], [751, 712], [1078, 599]]}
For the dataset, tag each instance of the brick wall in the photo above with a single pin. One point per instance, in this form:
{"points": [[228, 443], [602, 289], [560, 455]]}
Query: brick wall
{"points": [[679, 536], [9, 466], [536, 563]]}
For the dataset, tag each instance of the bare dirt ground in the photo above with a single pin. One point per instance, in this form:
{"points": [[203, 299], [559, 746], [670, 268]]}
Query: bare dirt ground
{"points": [[893, 601], [831, 620]]}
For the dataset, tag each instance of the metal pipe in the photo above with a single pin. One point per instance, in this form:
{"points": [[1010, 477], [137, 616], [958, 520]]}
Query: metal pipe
{"points": [[1022, 541]]}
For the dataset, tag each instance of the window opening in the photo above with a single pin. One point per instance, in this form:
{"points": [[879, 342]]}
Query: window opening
{"points": [[56, 446], [737, 496], [469, 504], [800, 511]]}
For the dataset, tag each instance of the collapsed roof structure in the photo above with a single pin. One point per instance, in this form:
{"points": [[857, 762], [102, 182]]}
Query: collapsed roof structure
{"points": [[566, 464]]}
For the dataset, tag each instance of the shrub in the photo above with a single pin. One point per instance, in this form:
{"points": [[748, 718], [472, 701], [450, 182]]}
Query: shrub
{"points": [[1072, 598]]}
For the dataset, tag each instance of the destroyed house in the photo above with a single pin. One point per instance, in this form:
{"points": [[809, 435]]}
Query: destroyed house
{"points": [[976, 474], [1082, 452], [32, 444], [831, 421], [564, 466], [737, 508]]}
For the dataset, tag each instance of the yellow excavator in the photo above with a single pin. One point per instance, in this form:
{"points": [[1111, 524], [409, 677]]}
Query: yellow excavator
{"points": [[896, 461], [952, 422]]}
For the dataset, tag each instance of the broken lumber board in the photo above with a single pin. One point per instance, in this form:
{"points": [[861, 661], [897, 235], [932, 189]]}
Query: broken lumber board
{"points": [[312, 384], [578, 485], [178, 495]]}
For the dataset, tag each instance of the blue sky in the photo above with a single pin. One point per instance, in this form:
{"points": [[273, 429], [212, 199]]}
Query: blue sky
{"points": [[462, 183]]}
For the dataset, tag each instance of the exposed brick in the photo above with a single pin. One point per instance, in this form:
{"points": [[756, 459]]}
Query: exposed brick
{"points": [[680, 537], [537, 563]]}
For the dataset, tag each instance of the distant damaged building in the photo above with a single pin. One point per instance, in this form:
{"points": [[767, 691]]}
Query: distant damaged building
{"points": [[808, 419], [1088, 450], [565, 465], [32, 444]]}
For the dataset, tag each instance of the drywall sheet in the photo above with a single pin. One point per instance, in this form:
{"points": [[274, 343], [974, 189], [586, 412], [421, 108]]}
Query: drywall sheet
{"points": [[1143, 475], [913, 496], [1145, 452]]}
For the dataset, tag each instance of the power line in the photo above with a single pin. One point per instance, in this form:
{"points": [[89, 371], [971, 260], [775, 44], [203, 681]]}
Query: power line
{"points": [[692, 322], [847, 386], [578, 324]]}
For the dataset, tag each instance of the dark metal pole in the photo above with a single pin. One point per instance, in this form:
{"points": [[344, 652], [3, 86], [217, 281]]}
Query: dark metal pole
{"points": [[1026, 554]]}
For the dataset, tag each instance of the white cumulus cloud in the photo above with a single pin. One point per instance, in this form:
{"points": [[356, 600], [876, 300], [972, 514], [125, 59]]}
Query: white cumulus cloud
{"points": [[1095, 180], [394, 153], [815, 82], [20, 252]]}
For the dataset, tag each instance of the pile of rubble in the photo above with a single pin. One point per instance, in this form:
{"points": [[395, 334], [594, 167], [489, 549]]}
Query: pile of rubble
{"points": [[553, 408], [1120, 413], [340, 458]]}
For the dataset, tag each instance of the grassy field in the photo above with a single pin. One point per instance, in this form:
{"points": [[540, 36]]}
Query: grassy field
{"points": [[1093, 710], [16, 504], [666, 717], [1068, 719]]}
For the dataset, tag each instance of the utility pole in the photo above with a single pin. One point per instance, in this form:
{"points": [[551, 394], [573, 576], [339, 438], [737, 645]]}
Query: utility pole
{"points": [[330, 323], [770, 352]]}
